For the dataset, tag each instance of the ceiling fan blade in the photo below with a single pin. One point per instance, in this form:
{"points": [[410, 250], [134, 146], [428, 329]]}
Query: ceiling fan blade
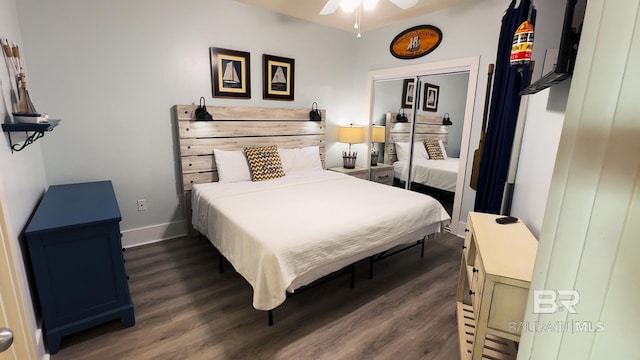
{"points": [[404, 4], [330, 7]]}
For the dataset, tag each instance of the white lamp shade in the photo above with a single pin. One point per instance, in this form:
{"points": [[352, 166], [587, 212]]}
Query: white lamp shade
{"points": [[351, 134], [377, 134]]}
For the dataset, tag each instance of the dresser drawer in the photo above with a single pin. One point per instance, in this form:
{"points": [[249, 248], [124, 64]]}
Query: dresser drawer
{"points": [[384, 176]]}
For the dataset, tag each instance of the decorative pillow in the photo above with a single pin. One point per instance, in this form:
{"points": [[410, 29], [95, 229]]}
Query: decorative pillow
{"points": [[419, 151], [232, 166], [306, 159], [264, 163], [434, 149]]}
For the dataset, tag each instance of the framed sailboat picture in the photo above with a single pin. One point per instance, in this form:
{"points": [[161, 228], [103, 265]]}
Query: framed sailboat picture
{"points": [[407, 94], [277, 77], [431, 96], [230, 73]]}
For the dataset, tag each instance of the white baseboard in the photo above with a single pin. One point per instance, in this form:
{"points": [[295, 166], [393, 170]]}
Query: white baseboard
{"points": [[152, 234]]}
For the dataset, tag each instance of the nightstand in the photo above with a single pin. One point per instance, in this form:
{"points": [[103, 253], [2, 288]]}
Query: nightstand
{"points": [[360, 173], [382, 173]]}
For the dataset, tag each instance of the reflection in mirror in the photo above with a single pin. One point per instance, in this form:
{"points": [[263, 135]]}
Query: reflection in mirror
{"points": [[436, 146], [388, 97], [434, 170]]}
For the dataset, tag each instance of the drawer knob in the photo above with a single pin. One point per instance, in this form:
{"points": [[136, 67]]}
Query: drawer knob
{"points": [[475, 270], [464, 247], [124, 249], [127, 277], [466, 230], [383, 177], [471, 292]]}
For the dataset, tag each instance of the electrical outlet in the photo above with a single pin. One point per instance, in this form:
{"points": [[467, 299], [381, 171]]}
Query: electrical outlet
{"points": [[142, 204]]}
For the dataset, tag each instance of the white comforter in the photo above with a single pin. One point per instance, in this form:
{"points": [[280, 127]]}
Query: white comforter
{"points": [[440, 174], [285, 233]]}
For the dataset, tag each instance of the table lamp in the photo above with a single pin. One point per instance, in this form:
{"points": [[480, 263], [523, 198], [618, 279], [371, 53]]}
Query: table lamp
{"points": [[377, 136], [350, 135]]}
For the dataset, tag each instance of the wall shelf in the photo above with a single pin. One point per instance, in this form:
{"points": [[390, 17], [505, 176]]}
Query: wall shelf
{"points": [[37, 130]]}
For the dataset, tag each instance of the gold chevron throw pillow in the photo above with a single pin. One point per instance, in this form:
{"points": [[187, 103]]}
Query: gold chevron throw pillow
{"points": [[264, 163]]}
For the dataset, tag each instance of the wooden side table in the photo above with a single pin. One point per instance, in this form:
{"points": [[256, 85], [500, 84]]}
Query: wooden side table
{"points": [[360, 173], [382, 173], [497, 265]]}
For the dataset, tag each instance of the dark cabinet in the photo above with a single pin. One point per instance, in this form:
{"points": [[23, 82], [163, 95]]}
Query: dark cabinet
{"points": [[76, 256]]}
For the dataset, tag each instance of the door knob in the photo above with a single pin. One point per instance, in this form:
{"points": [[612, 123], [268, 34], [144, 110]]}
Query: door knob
{"points": [[6, 339]]}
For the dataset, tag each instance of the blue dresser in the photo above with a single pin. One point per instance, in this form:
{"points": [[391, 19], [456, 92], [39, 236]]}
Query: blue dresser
{"points": [[77, 261]]}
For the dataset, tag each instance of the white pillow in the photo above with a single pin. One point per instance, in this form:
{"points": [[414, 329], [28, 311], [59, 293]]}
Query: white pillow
{"points": [[443, 149], [419, 151], [232, 166], [299, 160]]}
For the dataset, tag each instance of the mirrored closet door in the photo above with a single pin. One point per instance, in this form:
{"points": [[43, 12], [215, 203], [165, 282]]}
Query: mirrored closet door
{"points": [[417, 131]]}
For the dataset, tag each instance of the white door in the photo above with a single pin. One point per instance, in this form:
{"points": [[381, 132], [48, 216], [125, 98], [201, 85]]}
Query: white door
{"points": [[12, 314]]}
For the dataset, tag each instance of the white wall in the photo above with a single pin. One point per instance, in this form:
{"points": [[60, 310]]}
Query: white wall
{"points": [[544, 119], [470, 29], [112, 70], [23, 179]]}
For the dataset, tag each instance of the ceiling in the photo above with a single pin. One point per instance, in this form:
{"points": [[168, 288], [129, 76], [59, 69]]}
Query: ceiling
{"points": [[384, 14]]}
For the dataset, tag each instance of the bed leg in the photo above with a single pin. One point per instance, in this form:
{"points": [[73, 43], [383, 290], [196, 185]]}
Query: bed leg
{"points": [[371, 268], [270, 315], [353, 276], [422, 248], [220, 263]]}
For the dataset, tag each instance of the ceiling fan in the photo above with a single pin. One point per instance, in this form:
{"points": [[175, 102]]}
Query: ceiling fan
{"points": [[350, 5]]}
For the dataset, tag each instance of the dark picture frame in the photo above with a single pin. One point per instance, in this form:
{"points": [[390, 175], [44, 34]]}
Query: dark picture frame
{"points": [[407, 93], [278, 78], [230, 73], [431, 97]]}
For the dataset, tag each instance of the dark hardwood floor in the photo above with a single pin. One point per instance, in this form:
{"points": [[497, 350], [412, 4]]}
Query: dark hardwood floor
{"points": [[185, 309]]}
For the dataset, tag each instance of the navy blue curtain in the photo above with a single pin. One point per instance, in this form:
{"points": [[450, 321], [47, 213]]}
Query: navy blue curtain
{"points": [[503, 113]]}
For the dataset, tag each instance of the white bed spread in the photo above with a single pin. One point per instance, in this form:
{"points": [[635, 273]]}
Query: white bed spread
{"points": [[285, 233], [440, 174]]}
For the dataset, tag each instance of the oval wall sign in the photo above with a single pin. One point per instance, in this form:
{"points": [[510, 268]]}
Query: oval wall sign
{"points": [[416, 42]]}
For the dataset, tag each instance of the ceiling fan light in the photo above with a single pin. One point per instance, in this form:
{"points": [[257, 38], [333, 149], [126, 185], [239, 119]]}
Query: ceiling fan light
{"points": [[369, 4], [349, 5]]}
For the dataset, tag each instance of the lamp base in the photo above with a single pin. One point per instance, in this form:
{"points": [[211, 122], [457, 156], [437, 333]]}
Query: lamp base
{"points": [[349, 160], [374, 158]]}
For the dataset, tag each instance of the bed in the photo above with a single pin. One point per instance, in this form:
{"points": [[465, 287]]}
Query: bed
{"points": [[438, 174], [284, 233]]}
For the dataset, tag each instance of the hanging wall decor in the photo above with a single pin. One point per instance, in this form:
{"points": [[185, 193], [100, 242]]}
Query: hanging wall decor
{"points": [[431, 96], [416, 42], [278, 75], [407, 93], [230, 73]]}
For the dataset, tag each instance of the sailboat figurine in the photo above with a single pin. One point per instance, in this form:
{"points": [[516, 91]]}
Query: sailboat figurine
{"points": [[230, 74], [414, 44]]}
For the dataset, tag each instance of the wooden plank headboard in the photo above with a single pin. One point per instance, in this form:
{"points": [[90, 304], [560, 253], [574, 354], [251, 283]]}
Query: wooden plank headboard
{"points": [[427, 127], [234, 128]]}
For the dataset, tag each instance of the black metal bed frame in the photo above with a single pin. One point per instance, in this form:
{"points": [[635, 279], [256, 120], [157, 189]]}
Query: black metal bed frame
{"points": [[349, 269]]}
